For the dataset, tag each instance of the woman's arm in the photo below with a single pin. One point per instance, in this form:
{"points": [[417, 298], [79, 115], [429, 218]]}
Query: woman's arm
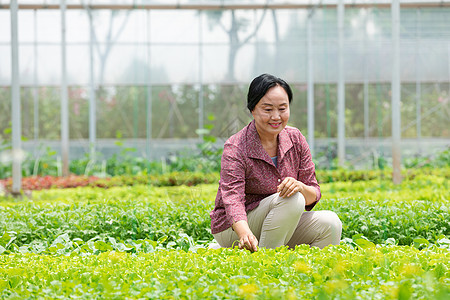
{"points": [[232, 188]]}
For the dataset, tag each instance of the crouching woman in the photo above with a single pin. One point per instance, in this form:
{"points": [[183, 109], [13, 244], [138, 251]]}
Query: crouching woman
{"points": [[268, 186]]}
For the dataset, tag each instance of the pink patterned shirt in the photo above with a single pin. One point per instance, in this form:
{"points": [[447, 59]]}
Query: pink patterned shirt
{"points": [[248, 174]]}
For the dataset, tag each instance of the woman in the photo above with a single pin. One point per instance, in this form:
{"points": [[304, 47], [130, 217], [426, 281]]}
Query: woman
{"points": [[268, 184]]}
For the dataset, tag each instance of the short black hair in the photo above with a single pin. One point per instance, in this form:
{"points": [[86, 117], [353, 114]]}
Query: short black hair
{"points": [[259, 87]]}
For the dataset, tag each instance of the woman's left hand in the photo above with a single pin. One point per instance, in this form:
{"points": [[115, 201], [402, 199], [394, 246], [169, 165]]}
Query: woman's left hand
{"points": [[289, 186]]}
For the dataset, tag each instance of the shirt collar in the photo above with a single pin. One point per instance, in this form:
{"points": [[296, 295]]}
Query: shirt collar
{"points": [[256, 150]]}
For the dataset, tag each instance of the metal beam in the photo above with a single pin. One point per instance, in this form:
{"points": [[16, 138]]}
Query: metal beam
{"points": [[149, 89], [15, 99], [366, 79], [418, 84], [64, 96], [35, 82], [396, 116], [231, 6], [200, 77], [310, 79], [92, 98], [341, 85]]}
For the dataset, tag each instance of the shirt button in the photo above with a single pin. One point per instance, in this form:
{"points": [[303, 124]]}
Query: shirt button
{"points": [[279, 180]]}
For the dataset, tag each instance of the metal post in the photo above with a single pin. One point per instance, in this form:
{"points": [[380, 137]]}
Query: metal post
{"points": [[366, 81], [448, 63], [135, 109], [396, 116], [15, 98], [64, 96], [341, 85], [310, 78], [149, 88], [92, 100], [200, 76], [35, 82], [418, 85]]}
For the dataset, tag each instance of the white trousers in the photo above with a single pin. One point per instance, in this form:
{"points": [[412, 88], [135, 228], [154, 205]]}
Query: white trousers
{"points": [[281, 221]]}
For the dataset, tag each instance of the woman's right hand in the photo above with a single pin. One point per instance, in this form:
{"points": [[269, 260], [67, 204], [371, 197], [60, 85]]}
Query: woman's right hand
{"points": [[246, 238], [249, 242]]}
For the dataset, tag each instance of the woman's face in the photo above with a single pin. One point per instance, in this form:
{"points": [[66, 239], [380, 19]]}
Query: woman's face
{"points": [[272, 112]]}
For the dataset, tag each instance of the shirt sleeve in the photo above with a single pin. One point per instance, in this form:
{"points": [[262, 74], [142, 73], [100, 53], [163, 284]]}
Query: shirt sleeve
{"points": [[307, 171], [232, 184]]}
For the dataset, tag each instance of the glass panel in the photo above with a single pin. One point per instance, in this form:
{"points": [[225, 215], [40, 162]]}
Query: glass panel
{"points": [[78, 64], [110, 24], [244, 59], [175, 111], [5, 118], [174, 26], [213, 32], [380, 110], [78, 112], [25, 24], [49, 113], [49, 26], [435, 109], [281, 25], [134, 27], [177, 64], [49, 65], [5, 25], [5, 63], [298, 107], [122, 65], [77, 26], [26, 65], [325, 112], [434, 61], [27, 112], [226, 109], [127, 106], [215, 63]]}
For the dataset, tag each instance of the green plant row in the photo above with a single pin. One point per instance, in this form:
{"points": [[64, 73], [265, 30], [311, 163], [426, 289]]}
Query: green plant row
{"points": [[64, 245], [326, 176], [323, 176], [205, 159], [138, 212], [167, 179], [378, 209], [336, 272], [195, 178], [418, 208]]}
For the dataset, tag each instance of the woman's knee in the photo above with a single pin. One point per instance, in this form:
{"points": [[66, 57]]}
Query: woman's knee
{"points": [[333, 221], [294, 204]]}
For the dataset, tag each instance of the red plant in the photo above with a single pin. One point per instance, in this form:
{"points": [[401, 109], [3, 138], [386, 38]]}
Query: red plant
{"points": [[46, 182]]}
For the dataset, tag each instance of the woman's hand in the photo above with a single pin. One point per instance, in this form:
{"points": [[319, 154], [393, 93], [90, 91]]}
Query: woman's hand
{"points": [[289, 186], [246, 238], [249, 242]]}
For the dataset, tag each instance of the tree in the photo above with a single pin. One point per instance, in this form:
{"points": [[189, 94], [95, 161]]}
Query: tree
{"points": [[236, 41], [111, 38]]}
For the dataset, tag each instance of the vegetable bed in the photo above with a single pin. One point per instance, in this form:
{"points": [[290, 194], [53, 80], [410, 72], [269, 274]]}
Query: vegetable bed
{"points": [[388, 272], [152, 242]]}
